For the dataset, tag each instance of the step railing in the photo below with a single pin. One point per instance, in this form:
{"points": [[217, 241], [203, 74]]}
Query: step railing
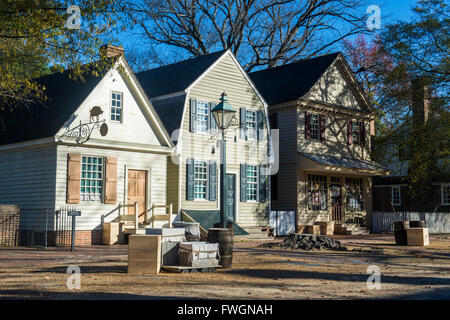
{"points": [[160, 217]]}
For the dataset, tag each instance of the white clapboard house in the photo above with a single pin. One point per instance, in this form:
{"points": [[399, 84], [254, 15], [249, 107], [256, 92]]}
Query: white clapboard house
{"points": [[92, 145]]}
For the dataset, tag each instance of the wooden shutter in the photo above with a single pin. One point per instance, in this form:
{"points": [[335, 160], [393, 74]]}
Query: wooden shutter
{"points": [[322, 127], [260, 124], [362, 133], [307, 125], [190, 179], [262, 182], [212, 121], [73, 178], [349, 133], [212, 180], [193, 115], [243, 182], [372, 127], [243, 120], [111, 180]]}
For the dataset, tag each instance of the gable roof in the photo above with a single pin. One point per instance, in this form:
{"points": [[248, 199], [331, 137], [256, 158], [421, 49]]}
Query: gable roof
{"points": [[64, 97], [291, 81], [44, 119], [176, 77]]}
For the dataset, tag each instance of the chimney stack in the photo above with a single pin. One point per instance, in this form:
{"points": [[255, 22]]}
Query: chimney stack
{"points": [[420, 101], [109, 50]]}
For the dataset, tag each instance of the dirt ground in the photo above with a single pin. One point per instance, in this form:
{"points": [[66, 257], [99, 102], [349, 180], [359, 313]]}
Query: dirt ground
{"points": [[257, 273]]}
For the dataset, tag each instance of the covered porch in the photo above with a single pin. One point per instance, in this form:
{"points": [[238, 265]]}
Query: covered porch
{"points": [[335, 189]]}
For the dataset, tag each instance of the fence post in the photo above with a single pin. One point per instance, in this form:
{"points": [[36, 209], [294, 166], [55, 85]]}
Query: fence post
{"points": [[136, 218], [46, 227]]}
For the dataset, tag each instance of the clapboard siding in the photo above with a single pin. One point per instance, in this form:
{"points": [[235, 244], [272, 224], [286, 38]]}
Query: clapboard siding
{"points": [[335, 143], [27, 177], [155, 164], [287, 189], [172, 184], [287, 135], [225, 76]]}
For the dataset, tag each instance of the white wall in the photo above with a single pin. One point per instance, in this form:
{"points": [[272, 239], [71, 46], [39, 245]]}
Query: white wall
{"points": [[27, 177]]}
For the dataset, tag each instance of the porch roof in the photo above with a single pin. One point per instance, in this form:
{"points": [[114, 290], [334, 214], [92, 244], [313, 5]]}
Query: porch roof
{"points": [[362, 166]]}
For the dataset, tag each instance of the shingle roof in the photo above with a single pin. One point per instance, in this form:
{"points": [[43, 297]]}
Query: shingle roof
{"points": [[44, 119], [170, 111], [290, 82], [207, 219], [343, 162], [175, 77]]}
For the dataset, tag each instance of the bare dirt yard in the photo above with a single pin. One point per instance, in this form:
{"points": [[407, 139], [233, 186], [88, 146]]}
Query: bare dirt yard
{"points": [[258, 273]]}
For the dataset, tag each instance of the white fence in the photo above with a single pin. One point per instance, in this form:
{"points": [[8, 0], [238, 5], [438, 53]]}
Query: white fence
{"points": [[436, 222], [283, 222]]}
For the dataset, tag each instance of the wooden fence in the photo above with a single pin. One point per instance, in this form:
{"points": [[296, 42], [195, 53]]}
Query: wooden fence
{"points": [[436, 222]]}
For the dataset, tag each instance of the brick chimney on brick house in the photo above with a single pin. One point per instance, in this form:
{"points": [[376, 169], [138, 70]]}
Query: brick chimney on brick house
{"points": [[110, 50], [420, 101]]}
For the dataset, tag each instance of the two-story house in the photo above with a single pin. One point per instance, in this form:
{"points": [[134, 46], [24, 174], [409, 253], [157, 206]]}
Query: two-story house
{"points": [[184, 94], [324, 121]]}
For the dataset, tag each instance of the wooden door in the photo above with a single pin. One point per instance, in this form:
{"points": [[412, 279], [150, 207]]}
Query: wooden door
{"points": [[137, 192], [336, 202]]}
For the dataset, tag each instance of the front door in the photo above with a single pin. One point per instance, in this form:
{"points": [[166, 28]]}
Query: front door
{"points": [[336, 202], [137, 191], [231, 196]]}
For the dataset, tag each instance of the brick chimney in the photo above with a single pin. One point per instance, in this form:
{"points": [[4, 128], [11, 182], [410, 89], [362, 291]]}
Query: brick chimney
{"points": [[420, 101], [110, 50]]}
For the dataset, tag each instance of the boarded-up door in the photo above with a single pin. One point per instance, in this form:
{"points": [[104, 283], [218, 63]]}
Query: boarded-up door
{"points": [[137, 191]]}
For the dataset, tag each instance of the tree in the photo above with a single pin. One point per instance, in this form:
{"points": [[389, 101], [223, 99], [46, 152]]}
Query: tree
{"points": [[40, 36], [411, 68], [260, 32]]}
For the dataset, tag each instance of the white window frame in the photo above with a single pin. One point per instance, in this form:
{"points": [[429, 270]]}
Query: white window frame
{"points": [[252, 132], [356, 134], [97, 197], [198, 116], [315, 115], [206, 173], [399, 202], [120, 108], [442, 194], [254, 184]]}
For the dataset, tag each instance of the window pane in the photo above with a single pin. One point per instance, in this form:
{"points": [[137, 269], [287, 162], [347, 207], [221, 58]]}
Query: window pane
{"points": [[250, 117], [315, 126], [317, 192], [91, 179], [200, 179], [116, 107], [252, 182], [202, 116]]}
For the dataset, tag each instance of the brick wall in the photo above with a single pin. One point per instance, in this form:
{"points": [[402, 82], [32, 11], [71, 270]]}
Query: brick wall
{"points": [[9, 225], [82, 237]]}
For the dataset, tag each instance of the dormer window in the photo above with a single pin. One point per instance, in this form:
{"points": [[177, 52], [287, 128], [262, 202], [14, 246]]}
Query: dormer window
{"points": [[116, 107]]}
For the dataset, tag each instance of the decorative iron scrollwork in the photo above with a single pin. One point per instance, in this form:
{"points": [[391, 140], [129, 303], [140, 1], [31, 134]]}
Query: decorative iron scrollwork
{"points": [[83, 131]]}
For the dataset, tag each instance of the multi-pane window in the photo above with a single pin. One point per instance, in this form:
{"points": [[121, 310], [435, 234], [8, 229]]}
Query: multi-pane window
{"points": [[354, 194], [315, 126], [396, 196], [116, 107], [317, 192], [252, 182], [202, 116], [200, 180], [445, 191], [250, 118], [91, 178], [355, 132]]}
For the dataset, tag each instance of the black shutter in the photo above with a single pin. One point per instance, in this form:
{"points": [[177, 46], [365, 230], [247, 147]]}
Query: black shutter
{"points": [[243, 182], [307, 125], [322, 127], [193, 115], [190, 179], [260, 123], [243, 119], [212, 180], [212, 121], [262, 182]]}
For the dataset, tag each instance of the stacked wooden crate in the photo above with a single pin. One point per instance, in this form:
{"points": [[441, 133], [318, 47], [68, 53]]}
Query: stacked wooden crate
{"points": [[144, 254], [312, 229], [198, 254], [170, 239], [326, 227], [417, 237], [110, 232]]}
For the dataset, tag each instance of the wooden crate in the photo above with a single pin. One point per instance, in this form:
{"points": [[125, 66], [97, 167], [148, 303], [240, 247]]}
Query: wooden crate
{"points": [[110, 232], [326, 227], [144, 254], [312, 229], [417, 237], [301, 228]]}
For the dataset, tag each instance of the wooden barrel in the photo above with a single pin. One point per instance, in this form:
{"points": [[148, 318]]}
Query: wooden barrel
{"points": [[224, 238], [400, 228], [417, 224]]}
